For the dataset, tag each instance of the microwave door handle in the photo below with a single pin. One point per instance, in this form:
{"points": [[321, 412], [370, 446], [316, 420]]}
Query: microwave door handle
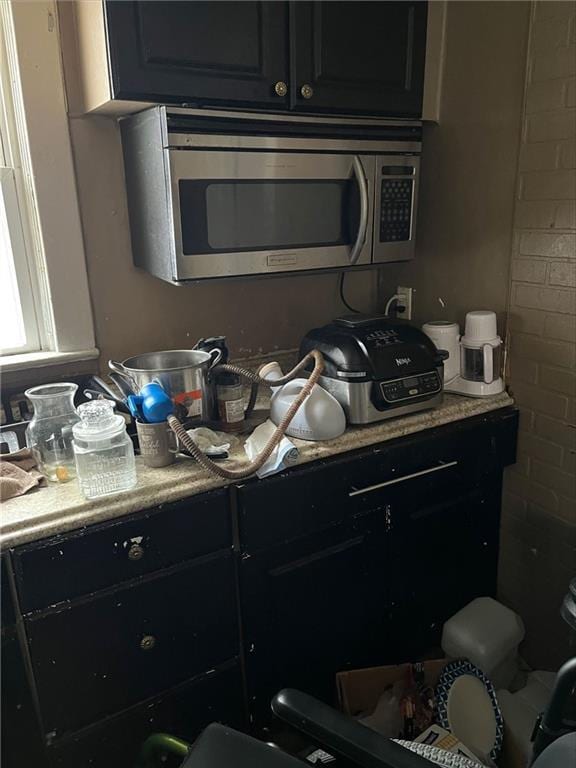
{"points": [[363, 225]]}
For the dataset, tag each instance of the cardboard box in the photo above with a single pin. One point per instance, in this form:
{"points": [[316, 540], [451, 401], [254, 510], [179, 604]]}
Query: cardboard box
{"points": [[360, 689]]}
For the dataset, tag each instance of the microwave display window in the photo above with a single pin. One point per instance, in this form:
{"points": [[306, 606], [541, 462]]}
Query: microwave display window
{"points": [[225, 216]]}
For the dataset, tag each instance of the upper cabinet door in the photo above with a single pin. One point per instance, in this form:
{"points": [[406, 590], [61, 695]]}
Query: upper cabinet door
{"points": [[223, 53], [363, 57]]}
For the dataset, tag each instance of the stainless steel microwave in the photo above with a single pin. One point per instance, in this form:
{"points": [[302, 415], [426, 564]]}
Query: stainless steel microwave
{"points": [[221, 196]]}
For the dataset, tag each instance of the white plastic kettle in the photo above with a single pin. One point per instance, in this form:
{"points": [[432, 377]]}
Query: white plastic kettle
{"points": [[320, 417]]}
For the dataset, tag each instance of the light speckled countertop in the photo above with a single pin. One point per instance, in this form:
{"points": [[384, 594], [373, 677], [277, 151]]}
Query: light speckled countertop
{"points": [[58, 508]]}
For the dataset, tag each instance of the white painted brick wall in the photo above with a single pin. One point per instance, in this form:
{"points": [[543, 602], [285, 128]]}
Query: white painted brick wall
{"points": [[538, 552]]}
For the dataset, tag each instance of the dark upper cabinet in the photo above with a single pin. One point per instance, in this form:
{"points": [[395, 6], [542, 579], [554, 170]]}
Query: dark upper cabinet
{"points": [[365, 57], [356, 57], [232, 53]]}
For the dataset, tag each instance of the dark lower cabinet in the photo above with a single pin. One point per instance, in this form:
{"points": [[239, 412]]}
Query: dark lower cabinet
{"points": [[182, 712], [373, 591], [21, 742], [201, 611], [365, 57], [21, 739], [450, 557], [309, 608], [415, 539], [99, 656]]}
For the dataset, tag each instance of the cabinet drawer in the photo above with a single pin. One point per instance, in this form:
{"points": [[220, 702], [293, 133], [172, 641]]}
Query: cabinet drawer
{"points": [[293, 504], [74, 564], [183, 713], [440, 461], [100, 656]]}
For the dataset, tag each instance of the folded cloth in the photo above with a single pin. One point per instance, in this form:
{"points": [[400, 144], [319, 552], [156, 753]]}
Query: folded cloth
{"points": [[18, 474]]}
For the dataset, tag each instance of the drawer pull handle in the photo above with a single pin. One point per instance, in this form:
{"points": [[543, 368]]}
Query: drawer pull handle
{"points": [[402, 479], [136, 552], [148, 642]]}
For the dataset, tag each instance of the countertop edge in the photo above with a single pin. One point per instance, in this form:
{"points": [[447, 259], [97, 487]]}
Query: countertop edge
{"points": [[81, 513]]}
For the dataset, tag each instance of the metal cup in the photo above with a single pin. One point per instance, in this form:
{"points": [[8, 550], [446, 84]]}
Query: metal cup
{"points": [[158, 444]]}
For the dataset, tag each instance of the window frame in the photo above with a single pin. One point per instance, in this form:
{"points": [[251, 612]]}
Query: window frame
{"points": [[43, 162]]}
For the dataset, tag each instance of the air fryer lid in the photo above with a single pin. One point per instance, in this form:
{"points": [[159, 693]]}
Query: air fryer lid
{"points": [[361, 347]]}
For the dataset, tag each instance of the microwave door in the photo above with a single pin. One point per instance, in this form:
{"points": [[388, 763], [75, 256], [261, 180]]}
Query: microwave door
{"points": [[251, 213]]}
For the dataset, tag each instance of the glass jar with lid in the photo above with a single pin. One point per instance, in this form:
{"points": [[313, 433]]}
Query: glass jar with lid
{"points": [[49, 433], [103, 450]]}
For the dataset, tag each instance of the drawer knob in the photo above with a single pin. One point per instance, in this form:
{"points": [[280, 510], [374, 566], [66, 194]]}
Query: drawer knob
{"points": [[281, 89], [148, 642], [136, 552], [307, 91]]}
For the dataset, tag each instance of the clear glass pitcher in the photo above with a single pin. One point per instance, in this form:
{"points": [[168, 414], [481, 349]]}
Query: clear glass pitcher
{"points": [[49, 434]]}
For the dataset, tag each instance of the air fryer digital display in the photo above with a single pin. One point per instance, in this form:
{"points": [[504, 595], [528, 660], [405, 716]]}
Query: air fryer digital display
{"points": [[427, 384]]}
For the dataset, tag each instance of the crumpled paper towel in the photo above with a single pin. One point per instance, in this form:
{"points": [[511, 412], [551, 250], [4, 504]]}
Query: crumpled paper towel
{"points": [[212, 443], [282, 456]]}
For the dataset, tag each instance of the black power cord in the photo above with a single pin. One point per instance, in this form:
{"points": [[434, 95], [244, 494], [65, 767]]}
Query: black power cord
{"points": [[343, 298], [400, 309]]}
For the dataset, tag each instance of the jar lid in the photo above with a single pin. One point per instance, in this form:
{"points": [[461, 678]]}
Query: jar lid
{"points": [[98, 420]]}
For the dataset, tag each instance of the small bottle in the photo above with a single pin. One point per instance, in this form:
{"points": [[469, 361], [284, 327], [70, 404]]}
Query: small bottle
{"points": [[103, 451], [230, 401]]}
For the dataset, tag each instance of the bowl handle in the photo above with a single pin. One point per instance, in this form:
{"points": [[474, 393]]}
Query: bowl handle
{"points": [[119, 369], [216, 355]]}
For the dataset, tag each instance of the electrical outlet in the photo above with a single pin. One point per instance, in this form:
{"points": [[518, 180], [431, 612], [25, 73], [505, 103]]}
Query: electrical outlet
{"points": [[406, 299]]}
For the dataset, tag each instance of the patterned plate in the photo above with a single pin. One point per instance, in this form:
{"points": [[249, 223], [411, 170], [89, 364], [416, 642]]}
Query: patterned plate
{"points": [[439, 756], [451, 672]]}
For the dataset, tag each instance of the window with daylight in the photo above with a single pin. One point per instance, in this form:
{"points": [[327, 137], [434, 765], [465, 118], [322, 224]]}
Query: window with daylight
{"points": [[19, 331]]}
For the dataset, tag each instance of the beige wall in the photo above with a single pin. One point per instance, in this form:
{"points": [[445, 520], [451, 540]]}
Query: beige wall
{"points": [[469, 166], [538, 556], [464, 232]]}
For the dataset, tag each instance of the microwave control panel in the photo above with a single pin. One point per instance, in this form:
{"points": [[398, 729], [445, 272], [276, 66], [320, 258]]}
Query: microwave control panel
{"points": [[396, 206]]}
